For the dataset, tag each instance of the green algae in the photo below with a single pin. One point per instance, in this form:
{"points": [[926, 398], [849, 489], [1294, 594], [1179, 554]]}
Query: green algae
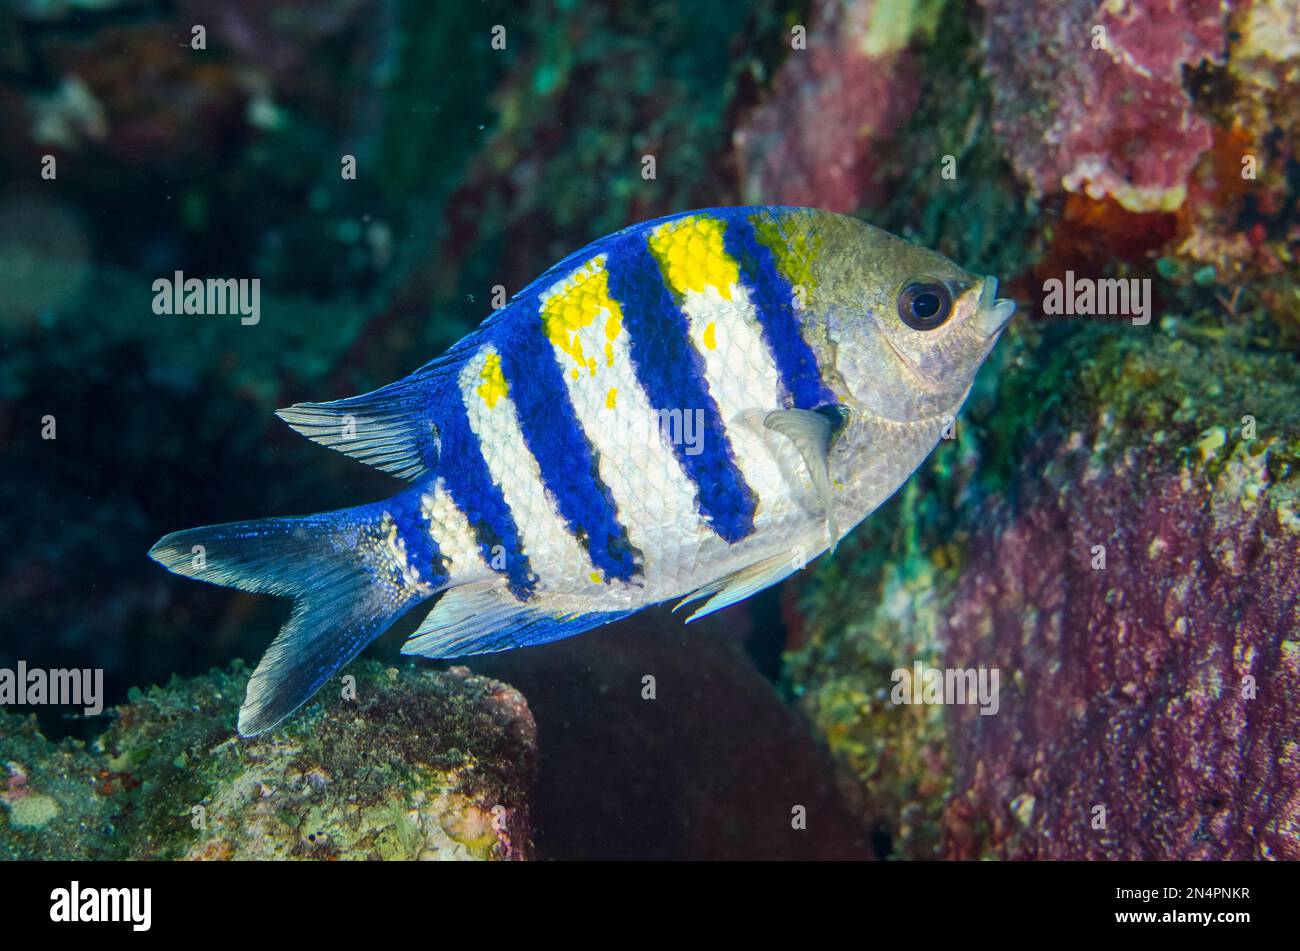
{"points": [[1190, 392], [418, 765], [893, 25], [670, 99], [867, 610]]}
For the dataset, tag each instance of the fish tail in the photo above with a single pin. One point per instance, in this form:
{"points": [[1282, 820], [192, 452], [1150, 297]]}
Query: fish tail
{"points": [[350, 573]]}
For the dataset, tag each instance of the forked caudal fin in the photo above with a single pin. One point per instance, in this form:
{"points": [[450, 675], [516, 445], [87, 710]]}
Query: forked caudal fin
{"points": [[350, 576]]}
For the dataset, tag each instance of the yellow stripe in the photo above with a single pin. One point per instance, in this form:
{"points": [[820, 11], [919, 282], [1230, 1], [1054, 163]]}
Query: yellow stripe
{"points": [[795, 243], [574, 304], [692, 255], [494, 381]]}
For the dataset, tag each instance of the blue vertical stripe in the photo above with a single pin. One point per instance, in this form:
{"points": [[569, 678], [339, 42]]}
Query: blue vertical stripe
{"points": [[569, 464], [671, 372], [772, 295], [422, 549], [469, 483]]}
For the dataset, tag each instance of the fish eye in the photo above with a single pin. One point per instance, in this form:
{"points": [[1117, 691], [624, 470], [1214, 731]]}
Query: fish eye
{"points": [[924, 305]]}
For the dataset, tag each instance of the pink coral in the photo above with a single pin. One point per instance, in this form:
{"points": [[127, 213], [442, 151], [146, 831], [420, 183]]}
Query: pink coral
{"points": [[816, 141], [1089, 96], [1148, 708]]}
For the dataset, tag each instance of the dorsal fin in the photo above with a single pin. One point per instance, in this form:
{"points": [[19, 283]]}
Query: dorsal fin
{"points": [[393, 428], [381, 429]]}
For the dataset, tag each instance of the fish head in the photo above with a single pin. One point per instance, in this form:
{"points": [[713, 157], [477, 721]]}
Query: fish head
{"points": [[909, 328]]}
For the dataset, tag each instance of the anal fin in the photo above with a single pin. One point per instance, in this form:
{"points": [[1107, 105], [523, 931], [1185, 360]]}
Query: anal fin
{"points": [[484, 617], [741, 584]]}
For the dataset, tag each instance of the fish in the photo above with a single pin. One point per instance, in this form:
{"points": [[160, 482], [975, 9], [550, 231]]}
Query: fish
{"points": [[690, 409]]}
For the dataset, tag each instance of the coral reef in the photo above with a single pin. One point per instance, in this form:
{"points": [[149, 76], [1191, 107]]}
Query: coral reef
{"points": [[1169, 127], [1100, 106], [1156, 683], [1141, 596], [396, 764], [846, 87], [1145, 706]]}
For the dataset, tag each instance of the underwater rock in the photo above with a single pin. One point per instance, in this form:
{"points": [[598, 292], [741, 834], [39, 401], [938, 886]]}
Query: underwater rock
{"points": [[1141, 595], [663, 776], [420, 765], [1170, 128], [1239, 226], [837, 100], [1116, 533], [1100, 106]]}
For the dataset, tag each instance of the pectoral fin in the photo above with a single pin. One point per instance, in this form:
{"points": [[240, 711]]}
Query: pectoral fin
{"points": [[811, 432]]}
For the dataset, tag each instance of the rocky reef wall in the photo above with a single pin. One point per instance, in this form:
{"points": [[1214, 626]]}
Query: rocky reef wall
{"points": [[1113, 528]]}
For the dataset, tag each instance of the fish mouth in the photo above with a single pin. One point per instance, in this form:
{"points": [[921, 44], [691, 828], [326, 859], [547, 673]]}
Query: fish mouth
{"points": [[994, 312]]}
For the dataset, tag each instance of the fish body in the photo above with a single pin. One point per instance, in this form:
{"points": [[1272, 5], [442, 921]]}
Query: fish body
{"points": [[691, 408]]}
